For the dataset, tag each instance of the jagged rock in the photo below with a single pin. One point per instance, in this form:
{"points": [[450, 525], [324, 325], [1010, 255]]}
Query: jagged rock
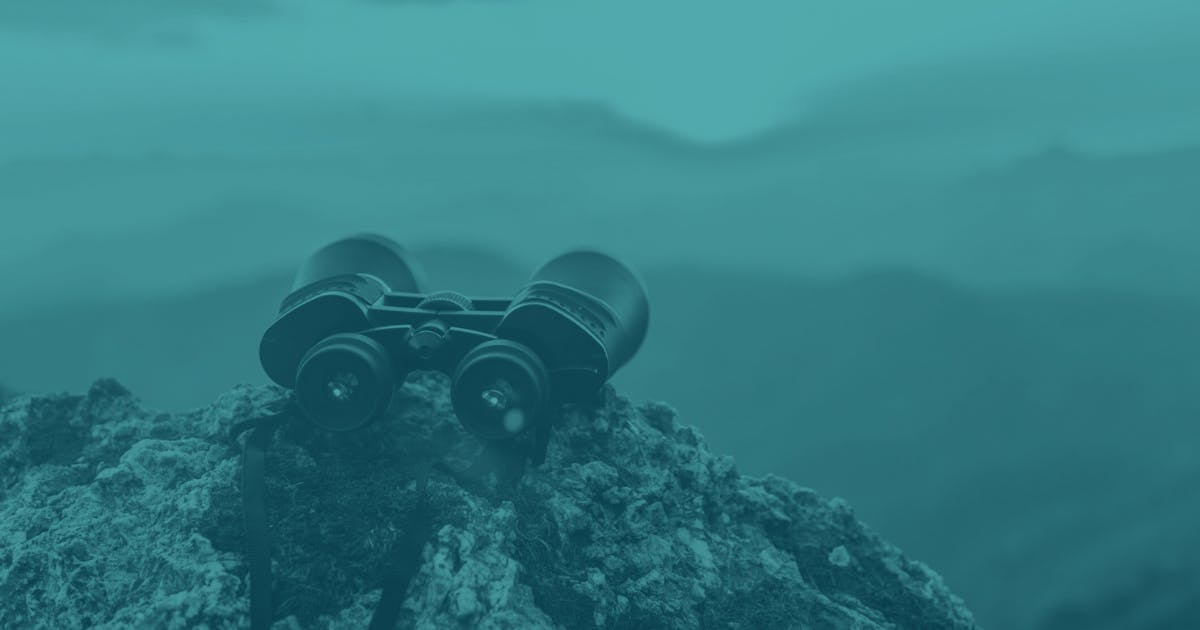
{"points": [[115, 516]]}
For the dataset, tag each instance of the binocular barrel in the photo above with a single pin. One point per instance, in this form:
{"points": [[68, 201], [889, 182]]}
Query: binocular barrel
{"points": [[593, 292], [357, 321], [366, 253]]}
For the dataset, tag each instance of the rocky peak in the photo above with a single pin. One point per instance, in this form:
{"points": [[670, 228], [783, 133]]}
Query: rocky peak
{"points": [[114, 515]]}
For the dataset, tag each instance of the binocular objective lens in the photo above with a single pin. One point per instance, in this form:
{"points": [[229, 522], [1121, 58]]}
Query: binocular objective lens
{"points": [[344, 382], [499, 389]]}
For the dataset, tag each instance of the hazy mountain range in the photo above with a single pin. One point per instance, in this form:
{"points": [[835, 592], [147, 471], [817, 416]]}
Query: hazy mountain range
{"points": [[531, 181]]}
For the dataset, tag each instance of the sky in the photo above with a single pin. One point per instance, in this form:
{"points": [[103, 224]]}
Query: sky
{"points": [[707, 70], [845, 84]]}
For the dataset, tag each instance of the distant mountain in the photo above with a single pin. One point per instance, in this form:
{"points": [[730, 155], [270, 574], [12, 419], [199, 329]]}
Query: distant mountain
{"points": [[1060, 217], [530, 180], [990, 108], [1153, 598], [146, 208]]}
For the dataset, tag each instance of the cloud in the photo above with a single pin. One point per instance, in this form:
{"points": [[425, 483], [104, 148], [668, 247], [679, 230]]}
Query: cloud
{"points": [[169, 23], [1111, 98], [124, 19]]}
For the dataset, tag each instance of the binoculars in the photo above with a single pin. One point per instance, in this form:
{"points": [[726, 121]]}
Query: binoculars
{"points": [[357, 321]]}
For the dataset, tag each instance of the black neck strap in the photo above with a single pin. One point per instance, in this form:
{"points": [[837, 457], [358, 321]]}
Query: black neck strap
{"points": [[401, 567], [406, 558], [254, 505]]}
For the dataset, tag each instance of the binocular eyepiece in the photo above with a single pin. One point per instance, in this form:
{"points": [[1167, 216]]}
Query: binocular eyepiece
{"points": [[358, 320]]}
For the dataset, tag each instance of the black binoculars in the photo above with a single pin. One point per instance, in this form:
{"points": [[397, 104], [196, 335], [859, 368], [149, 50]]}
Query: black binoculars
{"points": [[357, 321]]}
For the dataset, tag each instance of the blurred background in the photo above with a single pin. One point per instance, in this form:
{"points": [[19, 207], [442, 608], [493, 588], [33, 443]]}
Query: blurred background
{"points": [[966, 235]]}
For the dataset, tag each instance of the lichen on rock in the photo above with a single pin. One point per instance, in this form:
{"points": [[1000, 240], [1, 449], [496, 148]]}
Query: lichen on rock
{"points": [[115, 516]]}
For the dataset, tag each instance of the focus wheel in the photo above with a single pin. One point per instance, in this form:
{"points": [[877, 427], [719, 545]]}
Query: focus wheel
{"points": [[446, 301]]}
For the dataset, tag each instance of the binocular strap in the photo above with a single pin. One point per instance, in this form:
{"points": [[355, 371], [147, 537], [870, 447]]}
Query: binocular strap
{"points": [[401, 568], [406, 558], [254, 505]]}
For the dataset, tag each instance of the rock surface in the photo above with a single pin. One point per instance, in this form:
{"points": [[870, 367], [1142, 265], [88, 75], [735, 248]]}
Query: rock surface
{"points": [[117, 516]]}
